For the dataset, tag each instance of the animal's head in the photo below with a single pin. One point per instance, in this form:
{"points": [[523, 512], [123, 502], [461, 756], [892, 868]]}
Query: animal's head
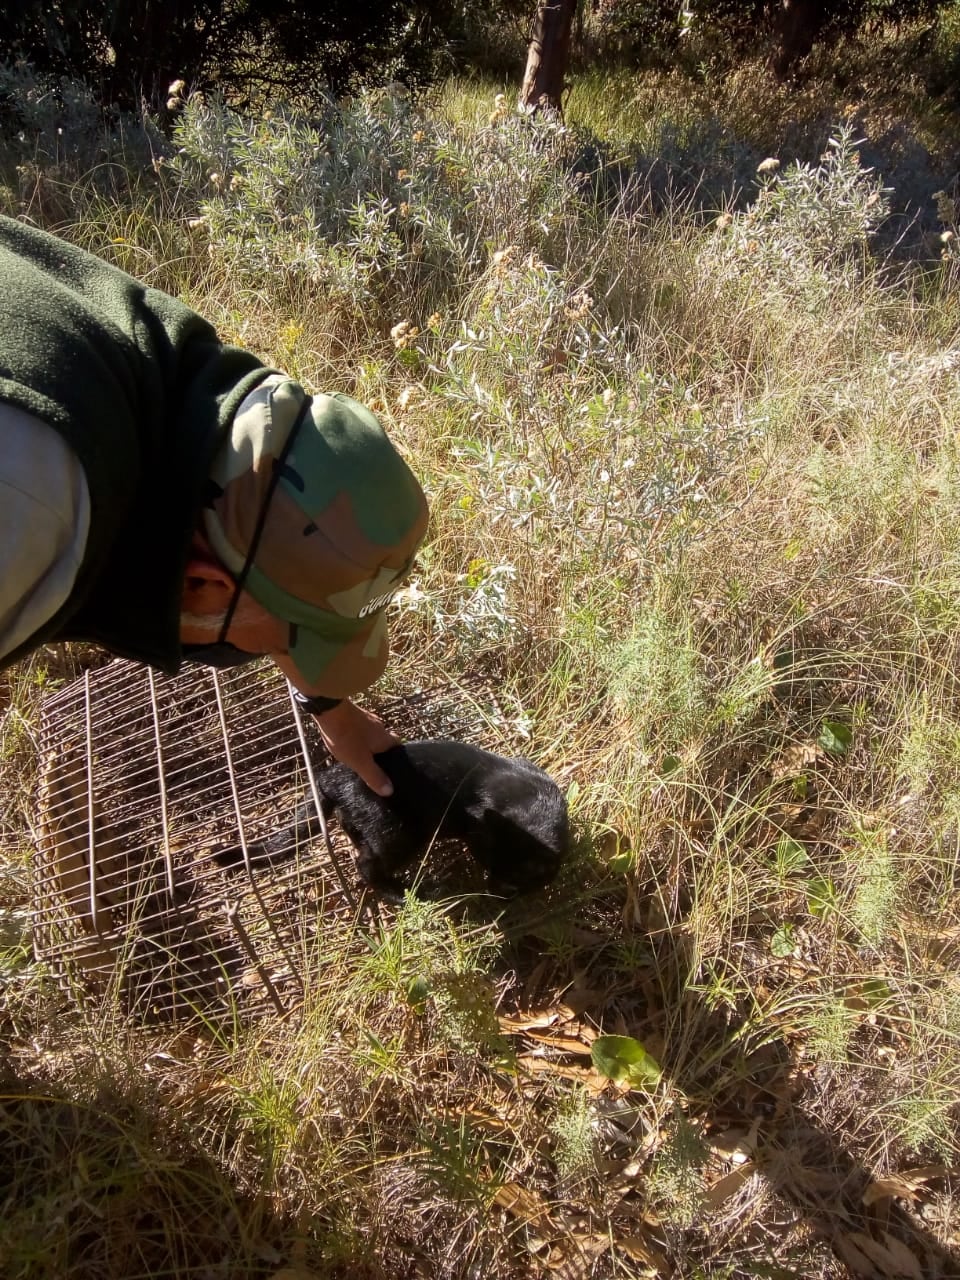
{"points": [[524, 847]]}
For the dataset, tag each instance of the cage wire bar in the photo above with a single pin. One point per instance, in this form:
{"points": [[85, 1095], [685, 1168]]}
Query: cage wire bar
{"points": [[156, 792]]}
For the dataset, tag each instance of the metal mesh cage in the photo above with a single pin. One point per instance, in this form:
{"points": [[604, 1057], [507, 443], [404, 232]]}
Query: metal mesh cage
{"points": [[156, 793]]}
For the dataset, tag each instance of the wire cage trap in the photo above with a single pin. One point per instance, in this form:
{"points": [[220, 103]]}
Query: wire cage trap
{"points": [[157, 794]]}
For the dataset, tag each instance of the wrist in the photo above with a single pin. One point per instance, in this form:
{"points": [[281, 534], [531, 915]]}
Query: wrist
{"points": [[317, 705]]}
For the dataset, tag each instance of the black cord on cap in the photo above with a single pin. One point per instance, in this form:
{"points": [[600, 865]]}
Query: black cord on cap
{"points": [[262, 519]]}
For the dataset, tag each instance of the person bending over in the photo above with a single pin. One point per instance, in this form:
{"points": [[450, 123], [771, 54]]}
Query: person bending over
{"points": [[168, 496]]}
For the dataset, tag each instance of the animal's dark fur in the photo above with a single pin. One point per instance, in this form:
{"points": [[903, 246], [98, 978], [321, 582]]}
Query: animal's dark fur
{"points": [[511, 815]]}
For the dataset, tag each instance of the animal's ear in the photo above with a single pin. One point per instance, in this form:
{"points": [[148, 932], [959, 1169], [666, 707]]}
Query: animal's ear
{"points": [[494, 822], [499, 841]]}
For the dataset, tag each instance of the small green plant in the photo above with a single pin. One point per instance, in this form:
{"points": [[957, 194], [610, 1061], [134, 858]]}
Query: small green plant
{"points": [[624, 1059], [835, 738], [783, 941], [455, 1163], [428, 965], [656, 678], [790, 857], [745, 694], [573, 1129], [833, 1026], [924, 1122], [877, 885], [676, 1178], [822, 899]]}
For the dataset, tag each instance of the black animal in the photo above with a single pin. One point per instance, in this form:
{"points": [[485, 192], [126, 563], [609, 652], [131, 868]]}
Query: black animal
{"points": [[510, 814]]}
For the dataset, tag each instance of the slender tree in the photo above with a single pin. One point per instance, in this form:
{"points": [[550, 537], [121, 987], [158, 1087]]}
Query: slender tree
{"points": [[548, 56]]}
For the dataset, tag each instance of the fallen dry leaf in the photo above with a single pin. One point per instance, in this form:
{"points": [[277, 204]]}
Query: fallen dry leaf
{"points": [[893, 1260], [572, 1258], [571, 1253], [563, 1044], [795, 759], [487, 1119], [903, 1185], [580, 999], [728, 1185], [904, 1257], [522, 1203], [589, 1077], [895, 1188], [855, 1259], [641, 1249], [518, 1023], [736, 1144]]}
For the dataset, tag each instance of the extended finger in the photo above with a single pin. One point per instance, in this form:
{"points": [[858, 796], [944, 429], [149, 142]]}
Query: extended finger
{"points": [[373, 776]]}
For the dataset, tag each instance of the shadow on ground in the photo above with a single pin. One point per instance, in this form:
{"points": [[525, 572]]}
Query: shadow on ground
{"points": [[798, 1199]]}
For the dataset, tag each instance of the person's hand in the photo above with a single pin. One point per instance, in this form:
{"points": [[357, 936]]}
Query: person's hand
{"points": [[353, 736]]}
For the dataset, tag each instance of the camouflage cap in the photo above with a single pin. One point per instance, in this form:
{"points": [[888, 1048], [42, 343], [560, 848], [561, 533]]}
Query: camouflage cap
{"points": [[344, 517]]}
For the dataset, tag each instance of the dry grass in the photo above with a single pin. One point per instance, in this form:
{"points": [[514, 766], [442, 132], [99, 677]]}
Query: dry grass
{"points": [[695, 484]]}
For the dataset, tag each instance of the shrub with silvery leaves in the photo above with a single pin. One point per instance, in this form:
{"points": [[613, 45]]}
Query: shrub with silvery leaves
{"points": [[369, 196], [810, 225]]}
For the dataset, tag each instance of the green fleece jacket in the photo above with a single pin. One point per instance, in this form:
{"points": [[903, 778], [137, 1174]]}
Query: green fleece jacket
{"points": [[143, 390]]}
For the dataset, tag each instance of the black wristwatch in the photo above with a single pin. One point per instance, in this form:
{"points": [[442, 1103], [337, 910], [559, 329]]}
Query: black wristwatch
{"points": [[316, 705]]}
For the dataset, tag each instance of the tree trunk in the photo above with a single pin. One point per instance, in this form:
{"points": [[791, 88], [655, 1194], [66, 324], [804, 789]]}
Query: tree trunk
{"points": [[547, 58], [798, 24]]}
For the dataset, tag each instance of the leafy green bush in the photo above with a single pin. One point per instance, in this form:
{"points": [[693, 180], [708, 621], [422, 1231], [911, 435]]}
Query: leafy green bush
{"points": [[366, 199], [810, 225], [53, 134]]}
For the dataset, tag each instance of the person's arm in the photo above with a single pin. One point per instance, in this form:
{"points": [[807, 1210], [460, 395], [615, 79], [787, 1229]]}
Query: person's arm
{"points": [[352, 736]]}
